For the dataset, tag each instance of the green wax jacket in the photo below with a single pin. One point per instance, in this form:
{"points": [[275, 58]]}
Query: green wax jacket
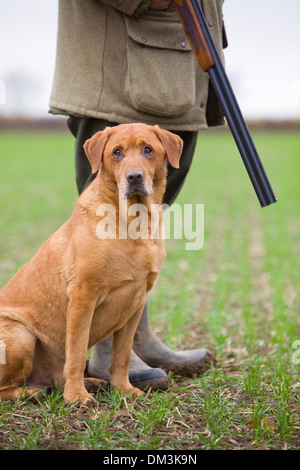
{"points": [[117, 60]]}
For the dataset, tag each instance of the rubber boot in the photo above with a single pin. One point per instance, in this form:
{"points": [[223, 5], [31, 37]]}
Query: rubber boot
{"points": [[140, 374], [154, 353]]}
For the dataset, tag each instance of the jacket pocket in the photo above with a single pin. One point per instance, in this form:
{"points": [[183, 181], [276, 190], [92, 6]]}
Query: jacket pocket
{"points": [[160, 76]]}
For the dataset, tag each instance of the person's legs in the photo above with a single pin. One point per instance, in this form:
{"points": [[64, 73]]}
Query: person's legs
{"points": [[147, 349], [176, 177]]}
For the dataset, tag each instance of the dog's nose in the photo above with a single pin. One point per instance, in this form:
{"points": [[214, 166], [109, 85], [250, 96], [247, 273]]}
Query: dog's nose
{"points": [[134, 176]]}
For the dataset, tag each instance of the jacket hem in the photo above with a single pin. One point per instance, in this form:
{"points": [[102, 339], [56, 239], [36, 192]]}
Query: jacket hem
{"points": [[65, 110]]}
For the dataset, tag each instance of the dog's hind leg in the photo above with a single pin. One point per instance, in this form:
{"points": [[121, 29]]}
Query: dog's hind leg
{"points": [[17, 350]]}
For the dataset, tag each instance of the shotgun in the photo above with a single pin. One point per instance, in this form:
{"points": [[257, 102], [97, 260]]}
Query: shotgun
{"points": [[194, 24]]}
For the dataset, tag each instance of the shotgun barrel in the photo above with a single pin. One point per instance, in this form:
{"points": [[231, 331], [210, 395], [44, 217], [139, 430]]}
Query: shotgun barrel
{"points": [[198, 34]]}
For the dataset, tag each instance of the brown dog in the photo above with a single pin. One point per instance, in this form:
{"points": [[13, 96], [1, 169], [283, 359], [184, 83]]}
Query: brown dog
{"points": [[80, 288]]}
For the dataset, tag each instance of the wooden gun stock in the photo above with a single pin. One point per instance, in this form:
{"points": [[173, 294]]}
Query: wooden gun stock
{"points": [[198, 34], [194, 33]]}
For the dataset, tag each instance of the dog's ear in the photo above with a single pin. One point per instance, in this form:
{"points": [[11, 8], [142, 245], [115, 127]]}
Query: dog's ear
{"points": [[94, 148], [172, 143]]}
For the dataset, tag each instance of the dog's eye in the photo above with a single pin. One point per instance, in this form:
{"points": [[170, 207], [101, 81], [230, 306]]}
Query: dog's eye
{"points": [[147, 150], [118, 153]]}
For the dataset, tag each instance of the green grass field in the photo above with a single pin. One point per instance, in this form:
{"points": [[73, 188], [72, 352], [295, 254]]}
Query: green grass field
{"points": [[238, 295]]}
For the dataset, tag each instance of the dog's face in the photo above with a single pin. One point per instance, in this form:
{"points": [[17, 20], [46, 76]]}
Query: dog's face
{"points": [[134, 156]]}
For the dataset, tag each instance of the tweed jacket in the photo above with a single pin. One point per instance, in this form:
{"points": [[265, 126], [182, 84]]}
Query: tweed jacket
{"points": [[119, 61]]}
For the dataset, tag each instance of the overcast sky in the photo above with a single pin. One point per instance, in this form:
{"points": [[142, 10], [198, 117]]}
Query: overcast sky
{"points": [[262, 60]]}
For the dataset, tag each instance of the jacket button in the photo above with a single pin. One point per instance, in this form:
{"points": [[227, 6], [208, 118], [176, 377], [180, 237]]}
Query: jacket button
{"points": [[144, 40], [183, 44]]}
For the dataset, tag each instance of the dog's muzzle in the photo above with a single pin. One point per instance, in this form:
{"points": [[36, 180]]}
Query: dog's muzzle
{"points": [[135, 182]]}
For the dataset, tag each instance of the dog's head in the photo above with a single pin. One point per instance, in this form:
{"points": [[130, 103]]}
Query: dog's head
{"points": [[134, 156]]}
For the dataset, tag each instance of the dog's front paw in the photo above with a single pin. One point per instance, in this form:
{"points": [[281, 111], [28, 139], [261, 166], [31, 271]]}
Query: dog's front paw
{"points": [[83, 398], [89, 401], [136, 392], [127, 389]]}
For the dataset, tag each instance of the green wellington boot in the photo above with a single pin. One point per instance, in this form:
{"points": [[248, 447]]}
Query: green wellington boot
{"points": [[148, 358], [140, 374], [154, 353]]}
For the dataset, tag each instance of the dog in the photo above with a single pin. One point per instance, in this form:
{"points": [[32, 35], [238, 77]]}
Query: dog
{"points": [[80, 288]]}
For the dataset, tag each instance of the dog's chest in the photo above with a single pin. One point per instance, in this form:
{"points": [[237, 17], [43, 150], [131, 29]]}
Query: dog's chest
{"points": [[131, 273], [124, 292]]}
